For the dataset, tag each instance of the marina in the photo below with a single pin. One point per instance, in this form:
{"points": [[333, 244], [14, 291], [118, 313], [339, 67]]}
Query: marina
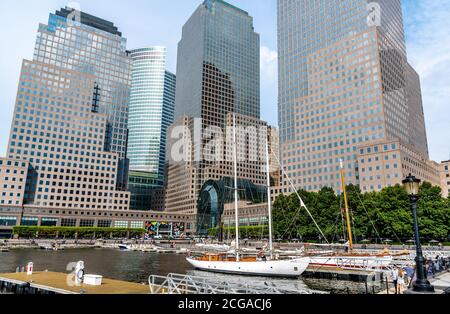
{"points": [[164, 271], [140, 265]]}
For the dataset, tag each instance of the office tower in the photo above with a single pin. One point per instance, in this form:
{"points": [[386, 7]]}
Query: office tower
{"points": [[58, 132], [345, 83], [65, 145], [71, 111], [81, 42], [151, 110], [218, 64], [217, 77], [206, 189]]}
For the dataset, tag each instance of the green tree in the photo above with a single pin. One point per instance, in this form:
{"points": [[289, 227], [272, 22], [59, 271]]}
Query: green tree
{"points": [[384, 214]]}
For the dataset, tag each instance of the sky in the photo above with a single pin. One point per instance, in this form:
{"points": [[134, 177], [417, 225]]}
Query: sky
{"points": [[159, 23]]}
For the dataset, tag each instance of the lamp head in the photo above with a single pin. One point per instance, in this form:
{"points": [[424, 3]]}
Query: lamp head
{"points": [[411, 185]]}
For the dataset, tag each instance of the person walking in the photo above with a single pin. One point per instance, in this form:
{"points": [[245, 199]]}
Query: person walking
{"points": [[409, 275], [400, 280], [394, 278]]}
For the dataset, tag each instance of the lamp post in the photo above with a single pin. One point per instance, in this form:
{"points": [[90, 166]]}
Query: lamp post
{"points": [[421, 284]]}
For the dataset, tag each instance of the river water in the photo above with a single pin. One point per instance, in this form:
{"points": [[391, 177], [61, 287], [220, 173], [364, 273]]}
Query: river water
{"points": [[138, 266]]}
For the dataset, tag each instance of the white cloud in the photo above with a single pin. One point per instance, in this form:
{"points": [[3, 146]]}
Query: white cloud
{"points": [[269, 65]]}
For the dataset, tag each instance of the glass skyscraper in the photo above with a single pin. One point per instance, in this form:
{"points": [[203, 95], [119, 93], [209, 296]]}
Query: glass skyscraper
{"points": [[81, 42], [218, 74], [69, 123], [151, 111], [218, 64], [344, 82]]}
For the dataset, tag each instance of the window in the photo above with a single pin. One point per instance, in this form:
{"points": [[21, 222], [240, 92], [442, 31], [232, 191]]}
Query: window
{"points": [[68, 222], [137, 225], [8, 221], [29, 221], [87, 223], [104, 223], [49, 222], [121, 224]]}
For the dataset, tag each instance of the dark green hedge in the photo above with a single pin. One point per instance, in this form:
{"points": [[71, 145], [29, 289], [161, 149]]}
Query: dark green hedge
{"points": [[72, 232]]}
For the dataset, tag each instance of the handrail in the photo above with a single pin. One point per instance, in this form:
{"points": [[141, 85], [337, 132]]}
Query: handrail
{"points": [[187, 284]]}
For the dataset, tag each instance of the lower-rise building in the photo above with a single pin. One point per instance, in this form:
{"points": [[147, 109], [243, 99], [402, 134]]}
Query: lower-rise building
{"points": [[387, 163], [201, 167], [445, 177]]}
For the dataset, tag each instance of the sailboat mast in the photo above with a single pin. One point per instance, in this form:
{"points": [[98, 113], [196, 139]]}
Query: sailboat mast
{"points": [[235, 187], [347, 214], [269, 199]]}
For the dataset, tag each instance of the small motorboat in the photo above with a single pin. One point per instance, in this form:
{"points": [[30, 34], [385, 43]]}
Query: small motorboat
{"points": [[124, 247]]}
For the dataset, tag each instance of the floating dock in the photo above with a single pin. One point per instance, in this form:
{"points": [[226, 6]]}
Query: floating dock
{"points": [[57, 283]]}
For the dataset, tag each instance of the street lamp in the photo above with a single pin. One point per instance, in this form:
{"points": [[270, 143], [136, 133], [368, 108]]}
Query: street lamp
{"points": [[421, 284]]}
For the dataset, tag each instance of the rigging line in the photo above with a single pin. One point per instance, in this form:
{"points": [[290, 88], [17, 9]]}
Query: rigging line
{"points": [[302, 204], [390, 227], [290, 227], [336, 227], [354, 226], [292, 222], [367, 213]]}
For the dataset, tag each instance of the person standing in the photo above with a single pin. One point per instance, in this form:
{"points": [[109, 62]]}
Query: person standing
{"points": [[394, 278], [400, 281]]}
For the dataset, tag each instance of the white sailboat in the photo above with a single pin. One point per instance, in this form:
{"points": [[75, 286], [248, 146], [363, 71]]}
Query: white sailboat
{"points": [[253, 265]]}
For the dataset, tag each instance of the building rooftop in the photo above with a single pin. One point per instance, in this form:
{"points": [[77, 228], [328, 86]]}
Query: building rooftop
{"points": [[208, 3], [92, 21]]}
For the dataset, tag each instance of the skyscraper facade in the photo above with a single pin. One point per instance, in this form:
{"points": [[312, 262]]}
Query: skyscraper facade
{"points": [[57, 130], [70, 120], [344, 82], [217, 80], [151, 111], [218, 64], [68, 134], [81, 42]]}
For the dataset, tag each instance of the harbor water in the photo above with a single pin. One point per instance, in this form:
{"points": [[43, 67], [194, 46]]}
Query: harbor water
{"points": [[137, 266]]}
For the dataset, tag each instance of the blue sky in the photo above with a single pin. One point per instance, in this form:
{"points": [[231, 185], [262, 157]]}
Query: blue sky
{"points": [[159, 22]]}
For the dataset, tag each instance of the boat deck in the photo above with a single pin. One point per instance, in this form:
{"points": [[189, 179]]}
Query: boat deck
{"points": [[57, 283]]}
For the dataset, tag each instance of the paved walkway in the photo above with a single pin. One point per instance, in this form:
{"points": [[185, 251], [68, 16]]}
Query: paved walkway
{"points": [[442, 281]]}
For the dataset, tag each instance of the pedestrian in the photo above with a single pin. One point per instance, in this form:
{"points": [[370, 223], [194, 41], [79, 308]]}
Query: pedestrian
{"points": [[409, 274], [437, 266], [400, 280], [394, 278], [429, 269]]}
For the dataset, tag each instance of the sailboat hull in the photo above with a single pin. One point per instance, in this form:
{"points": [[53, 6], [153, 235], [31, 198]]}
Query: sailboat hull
{"points": [[277, 268]]}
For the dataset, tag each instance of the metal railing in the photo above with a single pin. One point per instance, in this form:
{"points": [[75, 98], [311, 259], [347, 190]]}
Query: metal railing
{"points": [[186, 284]]}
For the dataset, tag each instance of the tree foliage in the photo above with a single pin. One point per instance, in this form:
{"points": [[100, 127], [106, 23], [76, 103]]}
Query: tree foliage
{"points": [[376, 216]]}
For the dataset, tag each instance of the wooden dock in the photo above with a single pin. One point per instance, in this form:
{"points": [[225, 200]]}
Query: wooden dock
{"points": [[56, 283]]}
